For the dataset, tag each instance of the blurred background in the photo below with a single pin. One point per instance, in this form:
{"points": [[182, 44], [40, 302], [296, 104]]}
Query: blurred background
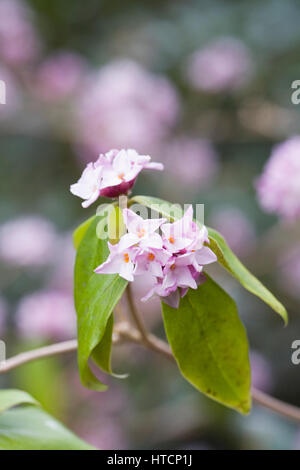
{"points": [[205, 88]]}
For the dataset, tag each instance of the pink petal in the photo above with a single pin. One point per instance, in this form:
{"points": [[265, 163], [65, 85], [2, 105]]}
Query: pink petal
{"points": [[172, 299], [205, 256]]}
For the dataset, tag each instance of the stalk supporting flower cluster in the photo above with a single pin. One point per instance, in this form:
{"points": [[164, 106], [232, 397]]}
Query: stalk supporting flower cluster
{"points": [[174, 259]]}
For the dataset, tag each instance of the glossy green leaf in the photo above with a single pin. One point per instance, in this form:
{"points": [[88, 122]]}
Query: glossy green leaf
{"points": [[12, 397], [80, 231], [225, 256], [210, 345], [31, 428], [95, 298]]}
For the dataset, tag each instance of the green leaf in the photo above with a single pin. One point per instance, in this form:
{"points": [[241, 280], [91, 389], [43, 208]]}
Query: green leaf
{"points": [[165, 208], [102, 352], [12, 397], [31, 428], [96, 295], [79, 233], [225, 256], [210, 345]]}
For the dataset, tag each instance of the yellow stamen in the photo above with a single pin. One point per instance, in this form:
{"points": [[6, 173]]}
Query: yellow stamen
{"points": [[172, 240], [121, 176], [141, 232], [151, 257], [126, 257]]}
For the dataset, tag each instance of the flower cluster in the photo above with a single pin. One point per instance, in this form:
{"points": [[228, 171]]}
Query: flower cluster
{"points": [[174, 258], [278, 187], [114, 173]]}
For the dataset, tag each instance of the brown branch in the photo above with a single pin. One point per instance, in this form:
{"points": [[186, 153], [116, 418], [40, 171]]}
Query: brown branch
{"points": [[135, 314], [125, 332], [33, 355]]}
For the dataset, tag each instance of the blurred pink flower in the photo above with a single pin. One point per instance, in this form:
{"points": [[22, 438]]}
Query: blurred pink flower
{"points": [[223, 65], [63, 261], [289, 271], [261, 372], [27, 241], [235, 226], [106, 435], [193, 162], [18, 39], [3, 312], [12, 92], [125, 106], [47, 314], [278, 188], [59, 76]]}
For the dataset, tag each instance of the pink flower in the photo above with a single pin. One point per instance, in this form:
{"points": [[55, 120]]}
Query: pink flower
{"points": [[111, 175], [175, 261], [289, 271], [88, 186], [119, 261], [183, 233], [47, 314], [18, 39], [140, 231], [151, 261], [177, 272], [278, 188], [13, 95], [59, 76], [236, 227], [191, 162], [126, 106], [223, 65], [27, 241]]}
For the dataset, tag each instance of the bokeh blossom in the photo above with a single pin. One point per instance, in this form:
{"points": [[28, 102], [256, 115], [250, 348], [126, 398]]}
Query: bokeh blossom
{"points": [[261, 372], [27, 241], [191, 161], [278, 188], [59, 76], [111, 175], [289, 271], [124, 105], [175, 259], [236, 227], [223, 65], [47, 314], [12, 94], [19, 42]]}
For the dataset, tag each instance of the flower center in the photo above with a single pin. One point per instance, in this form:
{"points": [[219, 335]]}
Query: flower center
{"points": [[141, 232], [126, 257], [173, 266], [172, 240], [121, 176], [151, 257]]}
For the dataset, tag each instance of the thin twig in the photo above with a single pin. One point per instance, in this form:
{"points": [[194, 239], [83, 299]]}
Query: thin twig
{"points": [[125, 332], [289, 411], [135, 314], [33, 355]]}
